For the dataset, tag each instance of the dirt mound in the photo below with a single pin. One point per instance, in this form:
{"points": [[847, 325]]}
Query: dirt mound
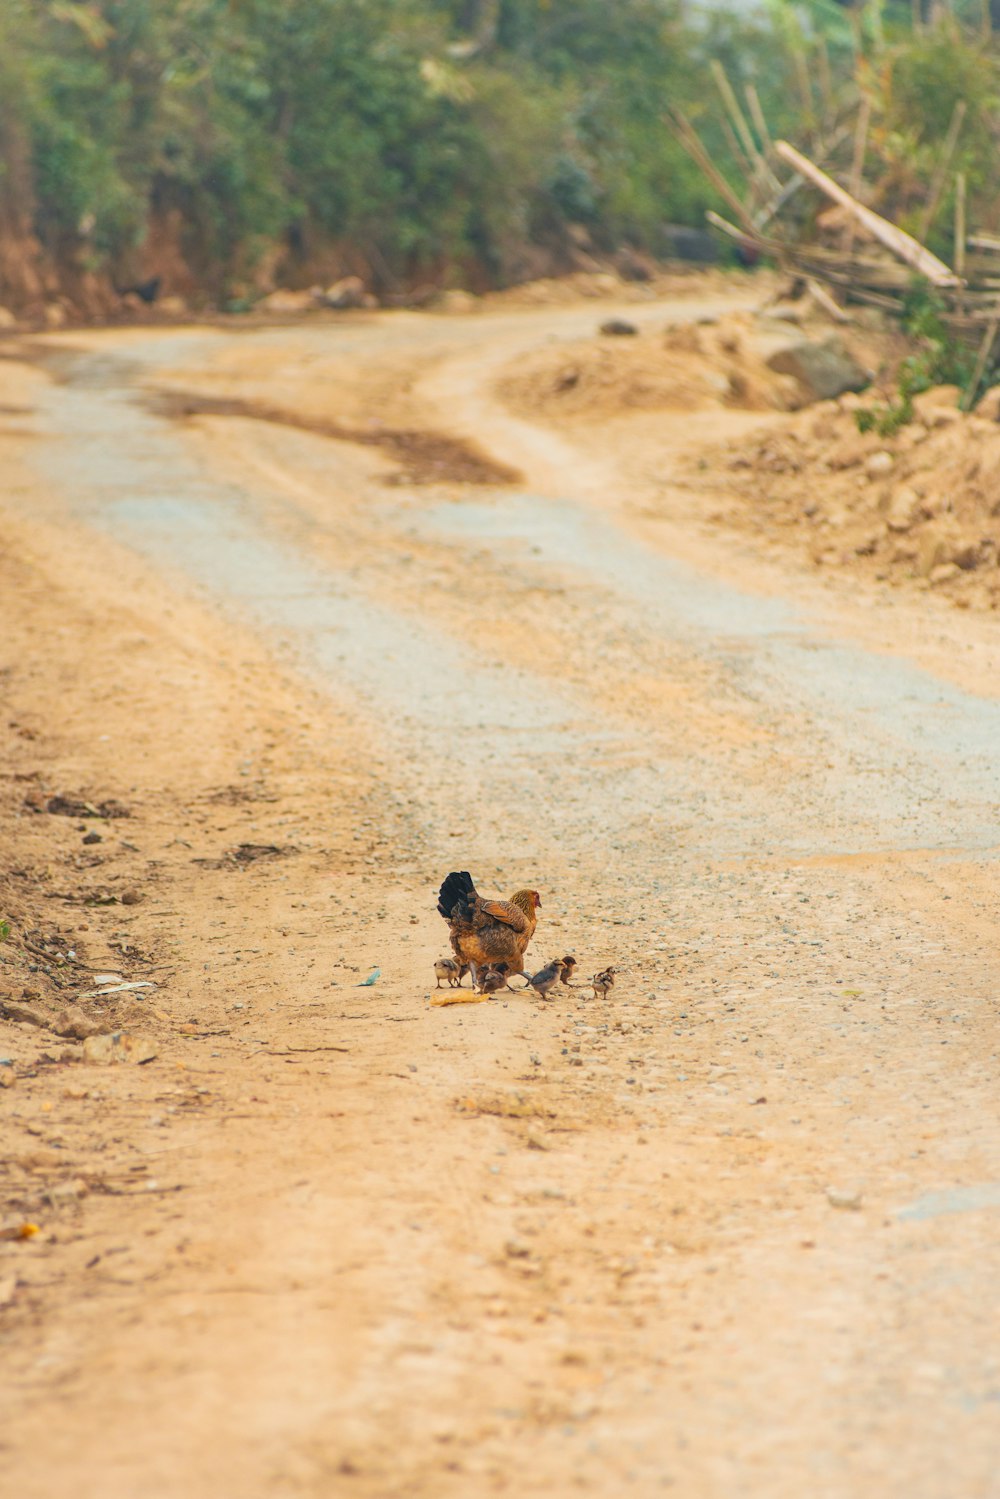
{"points": [[606, 282], [920, 507], [688, 367]]}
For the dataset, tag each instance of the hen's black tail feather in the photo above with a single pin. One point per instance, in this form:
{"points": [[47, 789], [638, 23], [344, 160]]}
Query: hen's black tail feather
{"points": [[457, 889]]}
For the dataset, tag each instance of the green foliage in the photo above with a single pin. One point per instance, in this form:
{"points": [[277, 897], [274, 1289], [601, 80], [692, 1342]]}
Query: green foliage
{"points": [[420, 138], [4, 930], [938, 360]]}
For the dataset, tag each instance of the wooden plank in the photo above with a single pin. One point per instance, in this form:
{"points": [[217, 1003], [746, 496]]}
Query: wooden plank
{"points": [[895, 239]]}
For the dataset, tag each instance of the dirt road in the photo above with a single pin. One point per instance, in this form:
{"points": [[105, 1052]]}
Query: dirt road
{"points": [[327, 619]]}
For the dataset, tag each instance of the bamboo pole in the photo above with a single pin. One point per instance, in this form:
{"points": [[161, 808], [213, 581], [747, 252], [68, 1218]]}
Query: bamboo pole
{"points": [[760, 124], [941, 170], [959, 255], [805, 87], [959, 224], [895, 239], [739, 154], [692, 143], [857, 163], [732, 106], [823, 299], [985, 350], [825, 82], [826, 148]]}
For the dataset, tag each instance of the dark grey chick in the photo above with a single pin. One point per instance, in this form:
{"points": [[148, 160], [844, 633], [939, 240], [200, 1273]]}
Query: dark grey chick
{"points": [[569, 963], [546, 978]]}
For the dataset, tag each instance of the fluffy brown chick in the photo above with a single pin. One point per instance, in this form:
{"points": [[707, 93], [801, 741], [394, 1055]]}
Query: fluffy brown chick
{"points": [[603, 981], [492, 979]]}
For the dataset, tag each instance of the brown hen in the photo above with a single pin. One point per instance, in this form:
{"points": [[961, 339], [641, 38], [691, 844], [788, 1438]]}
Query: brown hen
{"points": [[485, 932]]}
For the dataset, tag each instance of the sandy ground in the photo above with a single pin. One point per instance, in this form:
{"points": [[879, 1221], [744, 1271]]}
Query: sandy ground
{"points": [[730, 1230]]}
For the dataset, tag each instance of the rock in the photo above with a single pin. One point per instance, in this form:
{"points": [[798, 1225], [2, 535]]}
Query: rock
{"points": [[935, 549], [8, 1078], [968, 555], [823, 370], [905, 509], [633, 265], [54, 315], [348, 292], [173, 306], [92, 838], [516, 1250], [283, 301], [945, 572], [988, 409], [618, 327], [75, 1024], [26, 1014], [846, 1200], [132, 897], [877, 465], [938, 407], [940, 547], [119, 1047], [7, 318], [683, 243], [937, 396]]}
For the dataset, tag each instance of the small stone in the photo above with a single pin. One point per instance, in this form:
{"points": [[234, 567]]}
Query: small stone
{"points": [[74, 1024], [92, 838], [118, 1047], [844, 1199], [8, 1077], [879, 463], [132, 897], [516, 1249], [618, 327], [904, 510], [967, 555], [945, 572]]}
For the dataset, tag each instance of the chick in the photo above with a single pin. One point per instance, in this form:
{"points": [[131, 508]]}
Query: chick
{"points": [[603, 981], [546, 977], [493, 978], [447, 969], [569, 963]]}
